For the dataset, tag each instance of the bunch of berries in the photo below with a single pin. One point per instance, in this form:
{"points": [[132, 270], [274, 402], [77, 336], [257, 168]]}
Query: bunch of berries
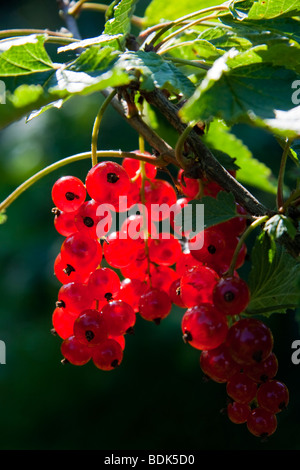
{"points": [[110, 273]]}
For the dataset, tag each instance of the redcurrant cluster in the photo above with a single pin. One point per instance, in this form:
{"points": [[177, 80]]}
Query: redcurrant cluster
{"points": [[110, 274]]}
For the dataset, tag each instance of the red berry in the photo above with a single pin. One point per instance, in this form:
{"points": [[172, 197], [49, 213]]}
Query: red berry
{"points": [[131, 291], [66, 273], [75, 352], [106, 182], [162, 277], [119, 317], [64, 222], [74, 298], [189, 186], [273, 396], [261, 423], [179, 228], [197, 285], [231, 295], [136, 227], [204, 327], [62, 323], [133, 168], [87, 221], [160, 196], [249, 341], [155, 305], [217, 364], [238, 413], [165, 250], [208, 246], [174, 293], [107, 355], [119, 252], [241, 388], [185, 262], [81, 251], [90, 327], [104, 284], [264, 370], [68, 193]]}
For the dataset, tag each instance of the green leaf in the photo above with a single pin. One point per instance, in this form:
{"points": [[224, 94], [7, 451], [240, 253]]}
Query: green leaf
{"points": [[279, 225], [23, 56], [256, 93], [121, 22], [273, 282], [216, 210], [274, 8], [159, 11], [251, 171], [153, 71], [103, 39]]}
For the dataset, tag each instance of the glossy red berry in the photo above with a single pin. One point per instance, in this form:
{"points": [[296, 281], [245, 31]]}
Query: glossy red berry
{"points": [[261, 423], [131, 291], [185, 262], [74, 298], [68, 193], [165, 250], [106, 182], [66, 273], [249, 341], [81, 251], [264, 370], [119, 251], [75, 352], [155, 305], [174, 293], [90, 328], [238, 413], [64, 222], [241, 388], [189, 186], [231, 295], [87, 220], [138, 227], [162, 277], [160, 196], [273, 396], [104, 284], [208, 246], [204, 327], [107, 355], [119, 317], [62, 323], [217, 364], [197, 285]]}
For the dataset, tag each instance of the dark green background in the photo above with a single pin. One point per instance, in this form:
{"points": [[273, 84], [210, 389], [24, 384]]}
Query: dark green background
{"points": [[157, 398]]}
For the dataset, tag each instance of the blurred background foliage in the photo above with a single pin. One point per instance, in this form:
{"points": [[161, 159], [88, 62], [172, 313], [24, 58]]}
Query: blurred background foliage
{"points": [[157, 399]]}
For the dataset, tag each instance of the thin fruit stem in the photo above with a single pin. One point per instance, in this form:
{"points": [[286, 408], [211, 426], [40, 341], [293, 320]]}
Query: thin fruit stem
{"points": [[253, 226], [279, 197], [74, 158], [180, 143], [183, 28], [190, 63], [166, 26], [97, 123]]}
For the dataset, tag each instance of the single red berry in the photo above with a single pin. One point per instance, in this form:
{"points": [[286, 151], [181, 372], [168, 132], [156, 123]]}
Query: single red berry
{"points": [[106, 182], [68, 193], [197, 285], [273, 396], [104, 284], [155, 305], [185, 262], [241, 388], [74, 298], [217, 364], [179, 228], [107, 355], [119, 317], [81, 251], [204, 327], [236, 226], [64, 222], [249, 341], [261, 423], [189, 186], [62, 323], [75, 352], [90, 328], [208, 246], [165, 250], [238, 413], [264, 370], [162, 277], [119, 339], [66, 273], [138, 268], [87, 221], [160, 196], [174, 293], [231, 295], [118, 250]]}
